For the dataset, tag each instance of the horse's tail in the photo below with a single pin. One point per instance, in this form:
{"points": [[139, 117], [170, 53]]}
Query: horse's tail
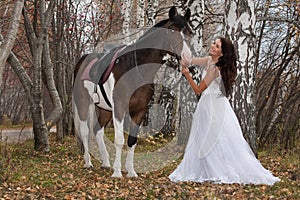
{"points": [[78, 64], [76, 117]]}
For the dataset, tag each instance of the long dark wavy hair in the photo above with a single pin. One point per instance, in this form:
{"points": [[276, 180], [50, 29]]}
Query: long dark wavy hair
{"points": [[227, 65]]}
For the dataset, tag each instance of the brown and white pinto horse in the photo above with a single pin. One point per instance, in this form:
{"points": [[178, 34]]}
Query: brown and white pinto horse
{"points": [[127, 90]]}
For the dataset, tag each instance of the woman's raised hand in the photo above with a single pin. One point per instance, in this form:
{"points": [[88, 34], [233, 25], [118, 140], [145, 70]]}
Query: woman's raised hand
{"points": [[185, 60], [185, 70]]}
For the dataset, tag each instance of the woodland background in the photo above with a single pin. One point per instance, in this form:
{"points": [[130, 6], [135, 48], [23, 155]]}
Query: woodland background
{"points": [[41, 40]]}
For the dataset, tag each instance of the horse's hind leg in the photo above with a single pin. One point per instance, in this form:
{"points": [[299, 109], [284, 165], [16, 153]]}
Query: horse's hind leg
{"points": [[131, 142], [84, 136], [103, 118], [82, 116], [82, 128]]}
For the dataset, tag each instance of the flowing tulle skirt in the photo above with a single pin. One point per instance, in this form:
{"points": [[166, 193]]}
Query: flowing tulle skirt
{"points": [[216, 150]]}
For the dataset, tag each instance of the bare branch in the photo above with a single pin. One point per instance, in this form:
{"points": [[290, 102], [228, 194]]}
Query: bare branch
{"points": [[11, 35]]}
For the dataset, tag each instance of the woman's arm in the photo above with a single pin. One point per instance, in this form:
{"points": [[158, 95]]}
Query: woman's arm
{"points": [[210, 76], [201, 61]]}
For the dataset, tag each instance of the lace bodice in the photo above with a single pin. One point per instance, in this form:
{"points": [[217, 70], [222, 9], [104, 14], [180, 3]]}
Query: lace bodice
{"points": [[215, 86]]}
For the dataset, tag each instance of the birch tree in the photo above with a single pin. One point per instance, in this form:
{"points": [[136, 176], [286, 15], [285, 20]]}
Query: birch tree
{"points": [[187, 98], [127, 12], [239, 26], [151, 12], [277, 82], [156, 113], [140, 13], [37, 37], [6, 43], [197, 24]]}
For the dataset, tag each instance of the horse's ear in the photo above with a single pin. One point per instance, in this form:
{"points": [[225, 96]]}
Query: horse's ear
{"points": [[172, 12], [187, 15]]}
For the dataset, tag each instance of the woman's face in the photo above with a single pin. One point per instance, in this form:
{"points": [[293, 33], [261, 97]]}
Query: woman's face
{"points": [[215, 48]]}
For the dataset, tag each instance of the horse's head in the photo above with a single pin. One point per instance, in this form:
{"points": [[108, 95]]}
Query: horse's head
{"points": [[178, 32], [169, 36]]}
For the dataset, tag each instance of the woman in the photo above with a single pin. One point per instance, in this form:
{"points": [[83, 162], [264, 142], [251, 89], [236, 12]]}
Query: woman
{"points": [[216, 150]]}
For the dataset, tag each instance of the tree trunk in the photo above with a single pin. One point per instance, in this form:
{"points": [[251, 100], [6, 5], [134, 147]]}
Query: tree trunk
{"points": [[151, 12], [40, 130], [188, 100], [197, 23], [127, 11], [7, 44], [48, 72], [239, 27], [140, 13], [37, 39]]}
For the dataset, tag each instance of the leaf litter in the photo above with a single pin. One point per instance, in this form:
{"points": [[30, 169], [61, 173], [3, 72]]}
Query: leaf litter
{"points": [[27, 174]]}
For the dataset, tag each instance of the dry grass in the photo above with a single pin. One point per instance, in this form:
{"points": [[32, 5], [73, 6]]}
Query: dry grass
{"points": [[27, 174]]}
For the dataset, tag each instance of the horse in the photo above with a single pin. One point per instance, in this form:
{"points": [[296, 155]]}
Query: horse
{"points": [[127, 89]]}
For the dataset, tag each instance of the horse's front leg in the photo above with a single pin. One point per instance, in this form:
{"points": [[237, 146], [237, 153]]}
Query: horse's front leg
{"points": [[132, 140], [119, 143]]}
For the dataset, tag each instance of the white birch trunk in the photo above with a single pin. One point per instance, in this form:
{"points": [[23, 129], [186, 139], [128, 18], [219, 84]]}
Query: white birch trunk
{"points": [[239, 26], [140, 18], [140, 13], [197, 22], [188, 99], [7, 44], [151, 12], [126, 11]]}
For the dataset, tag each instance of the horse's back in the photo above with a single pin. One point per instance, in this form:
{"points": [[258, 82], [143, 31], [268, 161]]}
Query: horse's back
{"points": [[82, 64]]}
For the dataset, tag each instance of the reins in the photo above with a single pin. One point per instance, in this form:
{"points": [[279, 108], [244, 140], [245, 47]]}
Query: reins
{"points": [[173, 48], [138, 71]]}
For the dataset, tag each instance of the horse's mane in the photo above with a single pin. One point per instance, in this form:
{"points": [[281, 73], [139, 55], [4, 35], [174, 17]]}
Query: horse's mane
{"points": [[177, 19], [161, 23], [150, 30]]}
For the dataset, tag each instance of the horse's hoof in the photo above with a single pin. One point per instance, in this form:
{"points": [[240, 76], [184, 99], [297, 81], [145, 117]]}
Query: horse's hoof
{"points": [[87, 166], [132, 174], [105, 165], [117, 174]]}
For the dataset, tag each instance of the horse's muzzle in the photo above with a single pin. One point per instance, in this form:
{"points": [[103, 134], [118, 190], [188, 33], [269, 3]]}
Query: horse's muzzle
{"points": [[178, 58]]}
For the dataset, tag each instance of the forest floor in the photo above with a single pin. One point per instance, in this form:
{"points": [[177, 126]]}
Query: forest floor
{"points": [[27, 174]]}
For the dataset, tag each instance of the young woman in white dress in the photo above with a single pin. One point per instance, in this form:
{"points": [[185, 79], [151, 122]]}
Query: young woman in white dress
{"points": [[216, 150]]}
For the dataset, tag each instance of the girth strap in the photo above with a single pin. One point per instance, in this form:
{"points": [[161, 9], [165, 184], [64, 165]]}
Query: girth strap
{"points": [[104, 95]]}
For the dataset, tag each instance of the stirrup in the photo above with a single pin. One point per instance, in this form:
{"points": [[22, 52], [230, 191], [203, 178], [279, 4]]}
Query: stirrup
{"points": [[96, 98]]}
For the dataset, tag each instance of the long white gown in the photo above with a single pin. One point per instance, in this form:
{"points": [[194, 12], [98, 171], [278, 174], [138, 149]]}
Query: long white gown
{"points": [[216, 150]]}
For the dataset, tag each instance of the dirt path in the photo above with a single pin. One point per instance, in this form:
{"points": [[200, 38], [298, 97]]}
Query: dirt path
{"points": [[17, 135]]}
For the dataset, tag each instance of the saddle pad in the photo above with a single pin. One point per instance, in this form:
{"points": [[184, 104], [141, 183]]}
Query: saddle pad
{"points": [[91, 59], [98, 65]]}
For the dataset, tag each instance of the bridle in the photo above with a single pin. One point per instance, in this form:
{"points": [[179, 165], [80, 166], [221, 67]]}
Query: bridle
{"points": [[174, 47], [173, 51]]}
